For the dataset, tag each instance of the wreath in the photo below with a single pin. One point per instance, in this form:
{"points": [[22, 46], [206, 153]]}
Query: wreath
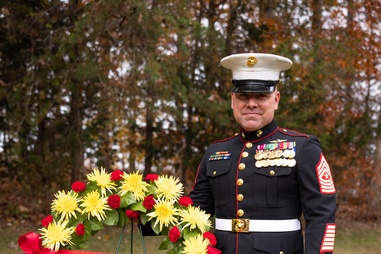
{"points": [[117, 198]]}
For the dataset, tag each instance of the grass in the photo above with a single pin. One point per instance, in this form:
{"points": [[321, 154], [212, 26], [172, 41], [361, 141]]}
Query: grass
{"points": [[351, 238], [358, 238]]}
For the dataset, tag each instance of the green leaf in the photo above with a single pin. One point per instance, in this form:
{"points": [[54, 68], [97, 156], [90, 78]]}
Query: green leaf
{"points": [[95, 225], [81, 217], [123, 219], [165, 244], [151, 188], [144, 218], [91, 186], [80, 239], [112, 218], [83, 246], [187, 233], [156, 228], [138, 207], [73, 222], [127, 200], [165, 231]]}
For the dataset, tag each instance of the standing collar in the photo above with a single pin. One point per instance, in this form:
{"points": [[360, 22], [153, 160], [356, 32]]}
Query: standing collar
{"points": [[259, 134]]}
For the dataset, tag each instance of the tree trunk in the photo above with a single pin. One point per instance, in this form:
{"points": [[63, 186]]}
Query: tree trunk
{"points": [[149, 133], [75, 135]]}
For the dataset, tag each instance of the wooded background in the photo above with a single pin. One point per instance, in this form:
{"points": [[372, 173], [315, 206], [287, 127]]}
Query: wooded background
{"points": [[137, 85]]}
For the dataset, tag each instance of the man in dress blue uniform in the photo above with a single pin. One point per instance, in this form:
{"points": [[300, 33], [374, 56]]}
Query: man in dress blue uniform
{"points": [[260, 182]]}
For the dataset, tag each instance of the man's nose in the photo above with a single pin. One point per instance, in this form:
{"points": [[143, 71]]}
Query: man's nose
{"points": [[252, 102]]}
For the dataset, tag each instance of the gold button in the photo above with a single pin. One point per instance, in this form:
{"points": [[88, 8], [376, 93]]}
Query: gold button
{"points": [[214, 173], [272, 172], [281, 252], [239, 197], [245, 154], [239, 182], [240, 212], [249, 145], [241, 166]]}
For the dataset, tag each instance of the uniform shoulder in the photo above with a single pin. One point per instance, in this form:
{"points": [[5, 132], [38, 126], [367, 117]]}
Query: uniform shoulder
{"points": [[293, 133], [229, 139]]}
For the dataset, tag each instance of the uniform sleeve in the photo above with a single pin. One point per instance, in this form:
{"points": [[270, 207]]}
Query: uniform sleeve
{"points": [[318, 198], [201, 193]]}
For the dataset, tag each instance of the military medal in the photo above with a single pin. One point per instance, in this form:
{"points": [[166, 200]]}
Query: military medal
{"points": [[258, 156], [286, 153], [291, 163], [278, 153], [258, 164]]}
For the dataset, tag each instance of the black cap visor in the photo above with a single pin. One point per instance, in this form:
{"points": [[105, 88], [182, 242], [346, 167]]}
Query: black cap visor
{"points": [[254, 86]]}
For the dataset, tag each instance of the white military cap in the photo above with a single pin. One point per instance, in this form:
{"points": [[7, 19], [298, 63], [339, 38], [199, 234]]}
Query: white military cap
{"points": [[255, 72]]}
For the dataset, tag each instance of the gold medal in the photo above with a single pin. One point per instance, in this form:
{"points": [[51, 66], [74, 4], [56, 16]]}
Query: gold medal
{"points": [[279, 162], [258, 164], [258, 156], [273, 162], [286, 153], [278, 153], [291, 163]]}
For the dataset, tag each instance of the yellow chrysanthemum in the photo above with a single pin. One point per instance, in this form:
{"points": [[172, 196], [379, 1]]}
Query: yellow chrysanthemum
{"points": [[66, 204], [95, 205], [103, 180], [133, 182], [194, 217], [164, 212], [56, 235], [196, 245], [169, 187]]}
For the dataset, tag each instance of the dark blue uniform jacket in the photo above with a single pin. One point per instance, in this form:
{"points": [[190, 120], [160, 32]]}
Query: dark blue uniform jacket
{"points": [[288, 177]]}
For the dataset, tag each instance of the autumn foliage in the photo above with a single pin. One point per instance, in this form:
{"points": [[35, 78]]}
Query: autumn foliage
{"points": [[136, 85]]}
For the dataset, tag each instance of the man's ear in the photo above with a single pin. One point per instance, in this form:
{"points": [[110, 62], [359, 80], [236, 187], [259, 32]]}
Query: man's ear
{"points": [[277, 99], [231, 100]]}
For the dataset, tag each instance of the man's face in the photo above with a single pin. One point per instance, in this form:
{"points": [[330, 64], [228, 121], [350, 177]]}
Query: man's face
{"points": [[253, 111]]}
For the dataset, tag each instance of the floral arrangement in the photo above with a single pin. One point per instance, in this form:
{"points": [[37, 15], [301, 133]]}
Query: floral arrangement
{"points": [[118, 198]]}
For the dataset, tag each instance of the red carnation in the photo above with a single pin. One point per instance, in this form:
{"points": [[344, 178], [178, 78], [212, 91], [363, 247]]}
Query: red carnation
{"points": [[149, 202], [47, 220], [114, 201], [116, 175], [211, 237], [174, 234], [152, 177], [132, 214], [80, 229], [78, 186], [185, 201]]}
